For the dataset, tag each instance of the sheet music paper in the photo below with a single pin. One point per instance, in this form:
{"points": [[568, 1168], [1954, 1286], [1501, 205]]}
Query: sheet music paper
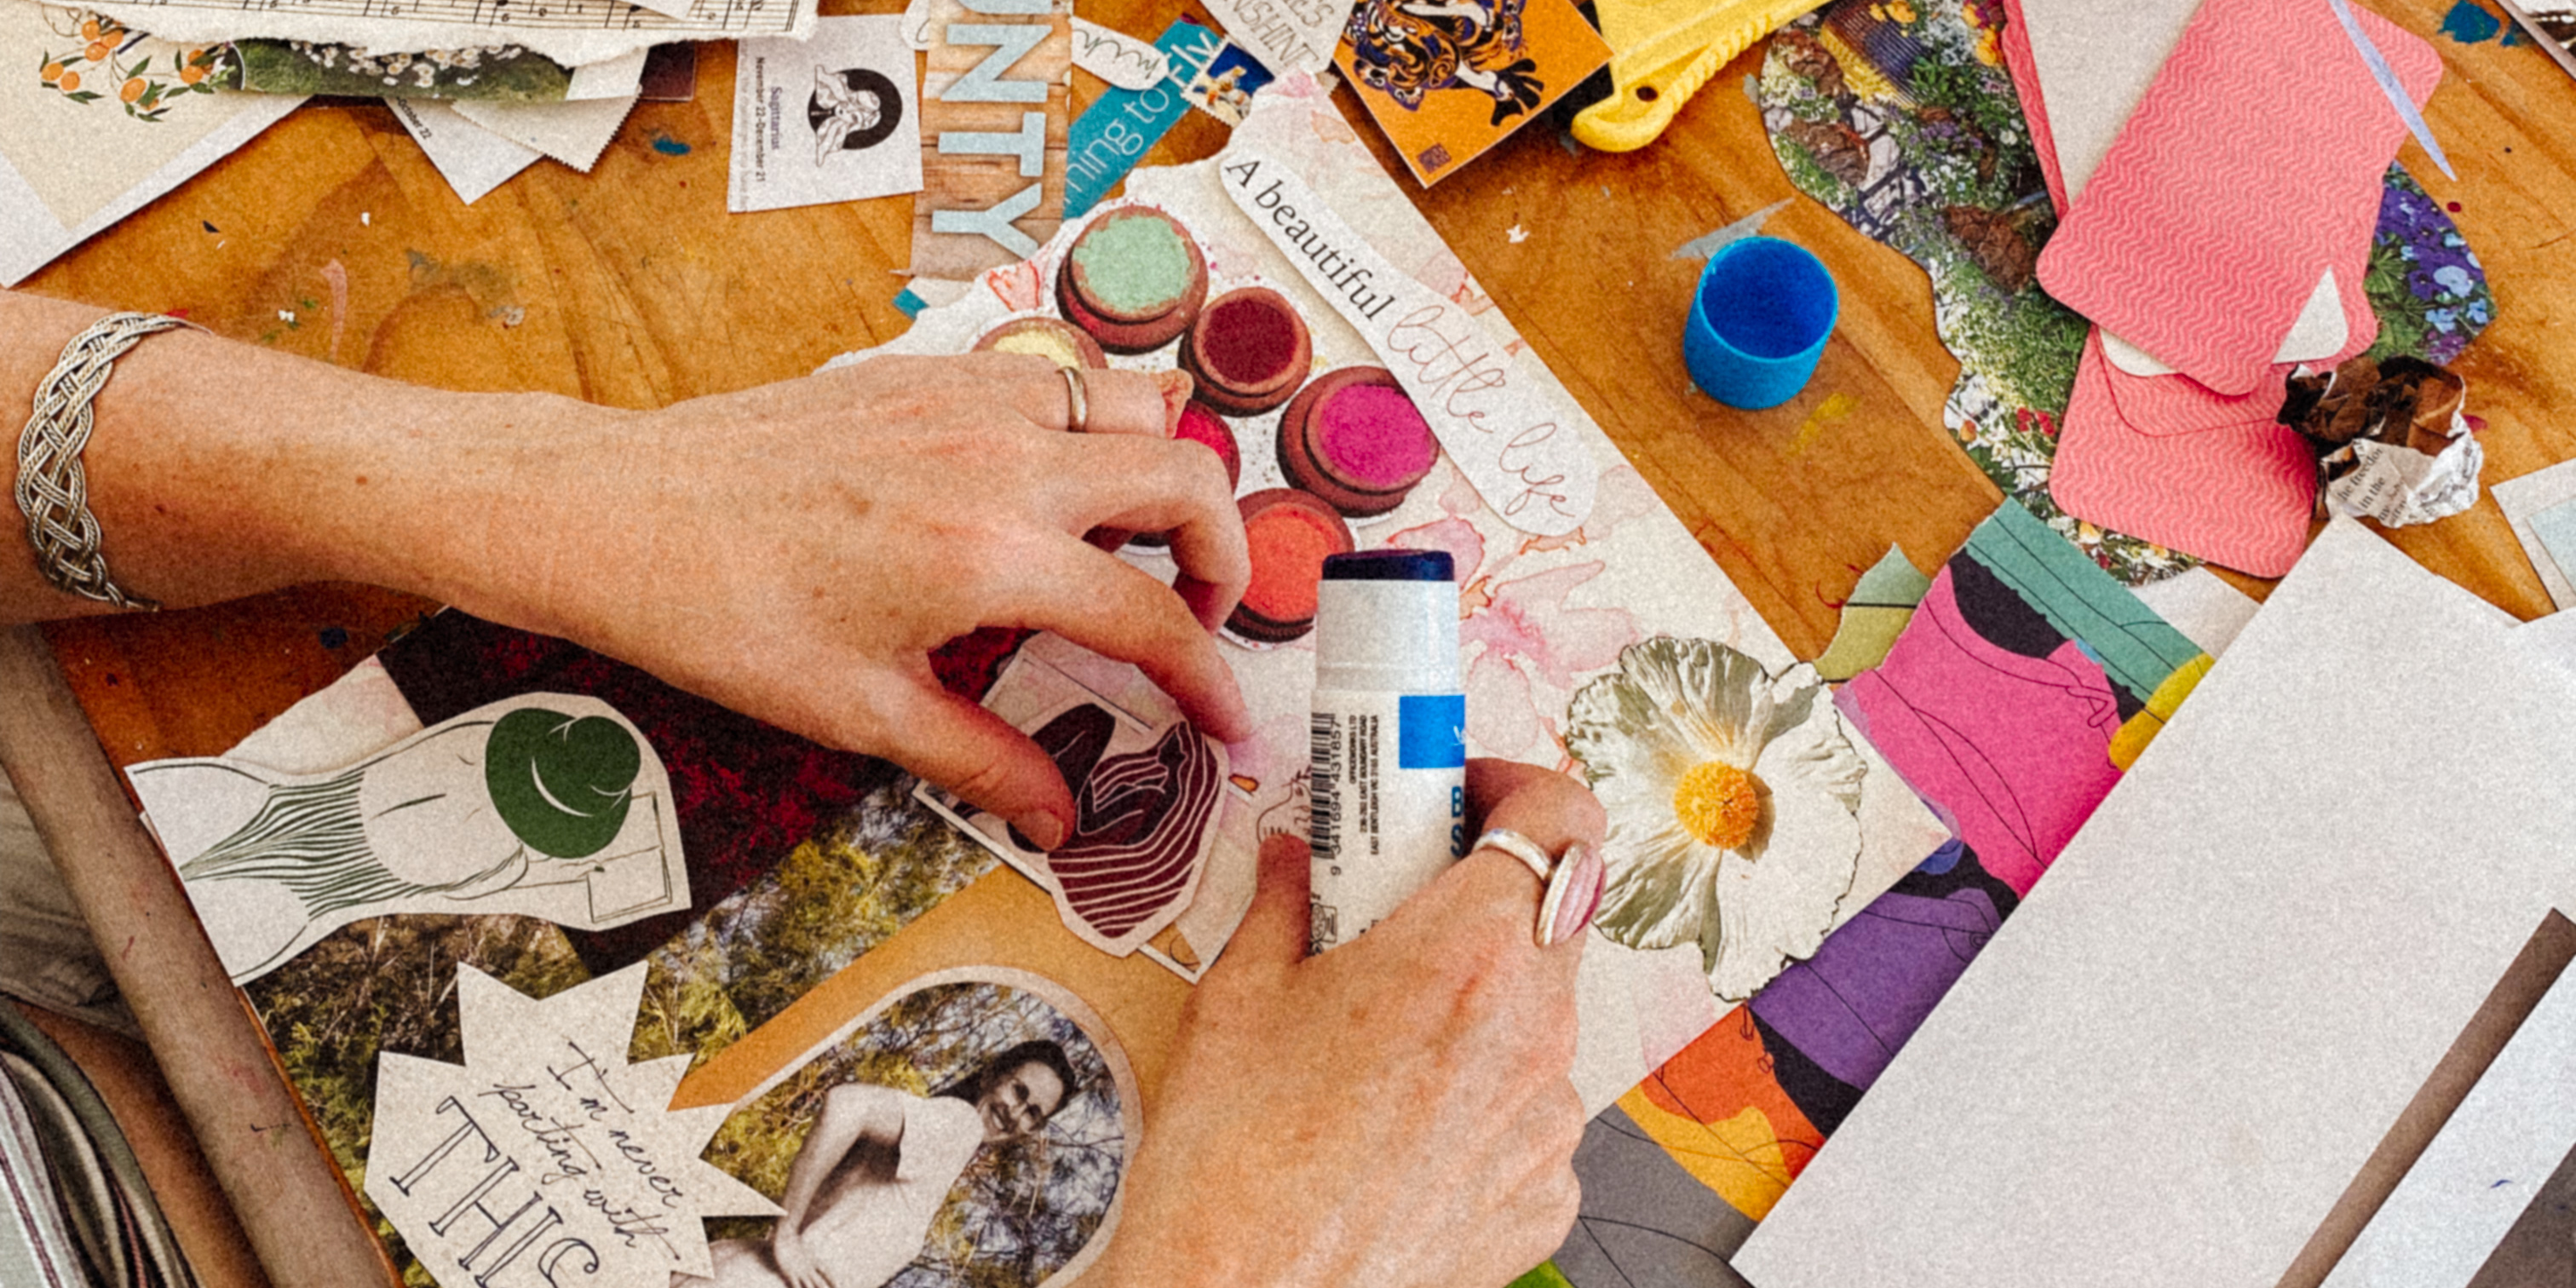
{"points": [[573, 32]]}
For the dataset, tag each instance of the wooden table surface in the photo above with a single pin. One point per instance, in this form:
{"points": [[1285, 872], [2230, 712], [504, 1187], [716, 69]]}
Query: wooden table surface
{"points": [[632, 286]]}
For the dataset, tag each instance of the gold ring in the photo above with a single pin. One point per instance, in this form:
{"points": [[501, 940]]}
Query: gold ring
{"points": [[1078, 416]]}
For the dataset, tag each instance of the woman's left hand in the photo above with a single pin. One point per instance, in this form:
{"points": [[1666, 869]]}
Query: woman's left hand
{"points": [[795, 551]]}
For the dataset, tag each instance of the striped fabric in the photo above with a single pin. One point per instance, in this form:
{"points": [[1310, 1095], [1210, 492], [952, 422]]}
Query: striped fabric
{"points": [[36, 1246], [75, 1210]]}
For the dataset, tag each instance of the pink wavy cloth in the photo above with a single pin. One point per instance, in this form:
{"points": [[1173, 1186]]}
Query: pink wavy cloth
{"points": [[2253, 163], [2014, 751]]}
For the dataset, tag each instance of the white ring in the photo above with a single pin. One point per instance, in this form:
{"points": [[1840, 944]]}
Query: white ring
{"points": [[1540, 863], [1077, 417]]}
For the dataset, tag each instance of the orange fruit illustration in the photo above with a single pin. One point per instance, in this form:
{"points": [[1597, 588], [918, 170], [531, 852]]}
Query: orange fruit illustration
{"points": [[96, 53], [70, 82], [131, 90], [52, 72], [191, 74], [89, 29]]}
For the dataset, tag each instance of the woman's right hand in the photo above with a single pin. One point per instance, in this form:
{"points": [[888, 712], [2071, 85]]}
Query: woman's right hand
{"points": [[1397, 1112]]}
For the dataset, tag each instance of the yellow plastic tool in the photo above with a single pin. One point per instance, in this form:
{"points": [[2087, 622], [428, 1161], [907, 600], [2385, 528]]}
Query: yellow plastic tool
{"points": [[1662, 51]]}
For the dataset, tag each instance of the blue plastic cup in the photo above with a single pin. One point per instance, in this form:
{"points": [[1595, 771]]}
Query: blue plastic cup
{"points": [[1759, 322]]}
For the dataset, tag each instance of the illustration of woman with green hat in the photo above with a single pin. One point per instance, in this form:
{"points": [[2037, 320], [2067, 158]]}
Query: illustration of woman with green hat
{"points": [[549, 805]]}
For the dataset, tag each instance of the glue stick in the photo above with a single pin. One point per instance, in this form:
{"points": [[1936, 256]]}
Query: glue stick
{"points": [[1388, 782]]}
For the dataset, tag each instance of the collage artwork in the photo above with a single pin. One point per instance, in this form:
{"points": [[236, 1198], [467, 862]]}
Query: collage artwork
{"points": [[522, 922]]}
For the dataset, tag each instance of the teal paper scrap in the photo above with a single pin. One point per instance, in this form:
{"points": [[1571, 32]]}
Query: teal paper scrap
{"points": [[1122, 124], [2135, 647]]}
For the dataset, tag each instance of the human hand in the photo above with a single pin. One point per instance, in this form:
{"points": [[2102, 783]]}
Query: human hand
{"points": [[1397, 1112], [796, 1265], [795, 551]]}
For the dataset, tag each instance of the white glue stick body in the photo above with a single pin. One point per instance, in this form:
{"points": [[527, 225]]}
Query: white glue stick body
{"points": [[1388, 786]]}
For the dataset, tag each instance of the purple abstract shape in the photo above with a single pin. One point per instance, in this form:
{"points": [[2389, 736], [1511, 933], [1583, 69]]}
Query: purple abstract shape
{"points": [[1851, 1006]]}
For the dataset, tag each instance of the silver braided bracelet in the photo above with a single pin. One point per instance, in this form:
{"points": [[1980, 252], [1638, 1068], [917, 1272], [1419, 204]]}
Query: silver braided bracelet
{"points": [[53, 488]]}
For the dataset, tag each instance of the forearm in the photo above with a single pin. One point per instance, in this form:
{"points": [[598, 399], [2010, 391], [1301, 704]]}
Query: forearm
{"points": [[218, 469], [837, 1130]]}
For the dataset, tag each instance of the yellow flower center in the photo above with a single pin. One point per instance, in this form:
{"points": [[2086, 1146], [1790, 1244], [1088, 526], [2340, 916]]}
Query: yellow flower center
{"points": [[1718, 803]]}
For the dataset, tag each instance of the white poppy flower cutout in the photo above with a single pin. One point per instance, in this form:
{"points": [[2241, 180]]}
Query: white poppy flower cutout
{"points": [[1733, 800]]}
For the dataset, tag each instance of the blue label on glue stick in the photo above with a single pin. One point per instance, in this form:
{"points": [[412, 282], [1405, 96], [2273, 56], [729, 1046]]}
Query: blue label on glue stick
{"points": [[1431, 731]]}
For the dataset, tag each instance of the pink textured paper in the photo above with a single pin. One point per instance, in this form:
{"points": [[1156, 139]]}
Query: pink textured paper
{"points": [[2034, 107], [2237, 490], [2019, 747], [2251, 165], [2184, 411]]}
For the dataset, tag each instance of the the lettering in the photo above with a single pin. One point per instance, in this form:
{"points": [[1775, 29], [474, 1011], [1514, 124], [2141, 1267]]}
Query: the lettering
{"points": [[1028, 143], [565, 1153], [995, 222], [406, 1181], [990, 81], [984, 82]]}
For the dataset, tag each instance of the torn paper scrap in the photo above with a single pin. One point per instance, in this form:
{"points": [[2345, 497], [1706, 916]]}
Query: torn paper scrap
{"points": [[573, 133], [977, 1097], [1707, 244], [2524, 500], [996, 102], [1301, 35], [1878, 609], [828, 119], [1733, 798], [1446, 83], [504, 72], [77, 153], [571, 32], [1116, 57], [1146, 805], [474, 160], [1223, 83], [1121, 125], [545, 1153], [549, 805]]}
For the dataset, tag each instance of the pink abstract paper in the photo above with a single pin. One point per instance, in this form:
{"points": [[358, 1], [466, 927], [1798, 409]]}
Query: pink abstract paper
{"points": [[2015, 748], [2253, 164]]}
